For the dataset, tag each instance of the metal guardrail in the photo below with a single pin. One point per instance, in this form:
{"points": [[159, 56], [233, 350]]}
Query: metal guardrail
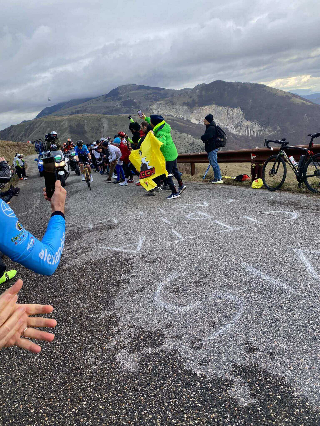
{"points": [[254, 156]]}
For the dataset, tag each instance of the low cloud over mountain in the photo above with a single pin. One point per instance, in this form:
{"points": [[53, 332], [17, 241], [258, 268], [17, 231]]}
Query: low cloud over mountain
{"points": [[66, 49]]}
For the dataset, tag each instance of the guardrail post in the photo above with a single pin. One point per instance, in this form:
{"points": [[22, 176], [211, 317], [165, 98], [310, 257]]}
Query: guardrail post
{"points": [[193, 169]]}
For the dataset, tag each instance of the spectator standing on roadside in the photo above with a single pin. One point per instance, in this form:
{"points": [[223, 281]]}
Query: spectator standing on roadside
{"points": [[209, 138], [105, 155], [162, 131], [125, 153], [137, 133], [20, 166], [119, 166], [114, 155]]}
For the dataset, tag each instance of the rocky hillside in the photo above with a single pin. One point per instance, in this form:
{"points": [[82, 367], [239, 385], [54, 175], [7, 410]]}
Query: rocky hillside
{"points": [[248, 112], [8, 149]]}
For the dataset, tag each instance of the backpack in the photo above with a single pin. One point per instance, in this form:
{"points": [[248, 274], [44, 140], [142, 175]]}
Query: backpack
{"points": [[242, 178], [221, 139]]}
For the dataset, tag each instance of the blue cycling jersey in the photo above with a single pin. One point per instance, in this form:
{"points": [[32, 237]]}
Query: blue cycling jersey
{"points": [[83, 151], [21, 246]]}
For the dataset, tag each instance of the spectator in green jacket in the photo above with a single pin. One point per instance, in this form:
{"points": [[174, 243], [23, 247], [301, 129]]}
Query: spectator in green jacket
{"points": [[162, 131]]}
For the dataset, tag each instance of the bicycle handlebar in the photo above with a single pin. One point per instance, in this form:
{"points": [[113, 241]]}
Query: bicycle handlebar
{"points": [[282, 142], [315, 135]]}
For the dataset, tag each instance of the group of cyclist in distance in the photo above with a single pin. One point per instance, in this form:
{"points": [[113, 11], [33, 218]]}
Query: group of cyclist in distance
{"points": [[111, 156]]}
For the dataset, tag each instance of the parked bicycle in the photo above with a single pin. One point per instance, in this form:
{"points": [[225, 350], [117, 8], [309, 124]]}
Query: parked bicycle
{"points": [[307, 170]]}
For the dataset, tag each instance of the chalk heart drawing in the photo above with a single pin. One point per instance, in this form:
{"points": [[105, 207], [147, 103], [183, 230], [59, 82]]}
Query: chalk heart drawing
{"points": [[223, 308]]}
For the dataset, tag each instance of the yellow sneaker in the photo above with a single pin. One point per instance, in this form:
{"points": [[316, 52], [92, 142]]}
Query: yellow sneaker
{"points": [[8, 276]]}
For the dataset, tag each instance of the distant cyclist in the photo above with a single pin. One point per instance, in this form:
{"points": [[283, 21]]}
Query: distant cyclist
{"points": [[84, 157]]}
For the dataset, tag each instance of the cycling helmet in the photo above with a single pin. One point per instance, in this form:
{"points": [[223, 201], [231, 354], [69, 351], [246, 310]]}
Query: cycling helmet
{"points": [[53, 147], [69, 140], [79, 143], [121, 134], [53, 133]]}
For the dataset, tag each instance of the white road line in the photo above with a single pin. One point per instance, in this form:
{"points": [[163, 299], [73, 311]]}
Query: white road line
{"points": [[124, 250], [294, 215], [310, 269], [165, 220], [274, 282], [252, 220]]}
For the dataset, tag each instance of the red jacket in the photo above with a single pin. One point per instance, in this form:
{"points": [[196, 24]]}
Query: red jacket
{"points": [[125, 151]]}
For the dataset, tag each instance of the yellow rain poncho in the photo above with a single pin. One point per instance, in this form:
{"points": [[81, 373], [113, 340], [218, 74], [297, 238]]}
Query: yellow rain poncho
{"points": [[150, 161]]}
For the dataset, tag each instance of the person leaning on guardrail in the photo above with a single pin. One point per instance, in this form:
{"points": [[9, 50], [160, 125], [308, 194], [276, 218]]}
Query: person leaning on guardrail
{"points": [[209, 138]]}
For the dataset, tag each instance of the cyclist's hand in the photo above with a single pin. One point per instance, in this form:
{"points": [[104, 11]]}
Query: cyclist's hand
{"points": [[58, 199]]}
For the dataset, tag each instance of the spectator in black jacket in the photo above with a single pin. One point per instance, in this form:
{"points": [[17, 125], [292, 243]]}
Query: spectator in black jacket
{"points": [[209, 138], [137, 134]]}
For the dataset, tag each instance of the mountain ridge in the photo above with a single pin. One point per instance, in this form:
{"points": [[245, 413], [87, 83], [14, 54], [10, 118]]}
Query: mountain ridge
{"points": [[249, 112]]}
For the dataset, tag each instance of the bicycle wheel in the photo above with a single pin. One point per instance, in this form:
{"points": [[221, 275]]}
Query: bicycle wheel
{"points": [[87, 177], [63, 181], [312, 174], [274, 172]]}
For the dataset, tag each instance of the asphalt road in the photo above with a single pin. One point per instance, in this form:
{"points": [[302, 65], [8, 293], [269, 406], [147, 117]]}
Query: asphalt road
{"points": [[199, 310]]}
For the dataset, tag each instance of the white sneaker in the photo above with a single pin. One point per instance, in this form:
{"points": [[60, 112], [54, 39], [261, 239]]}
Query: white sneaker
{"points": [[83, 178], [123, 183]]}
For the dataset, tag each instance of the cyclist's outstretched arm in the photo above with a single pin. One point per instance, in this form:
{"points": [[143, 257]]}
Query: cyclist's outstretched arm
{"points": [[21, 246]]}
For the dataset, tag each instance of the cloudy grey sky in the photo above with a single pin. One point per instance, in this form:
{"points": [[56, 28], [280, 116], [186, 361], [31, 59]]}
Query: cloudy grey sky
{"points": [[66, 49]]}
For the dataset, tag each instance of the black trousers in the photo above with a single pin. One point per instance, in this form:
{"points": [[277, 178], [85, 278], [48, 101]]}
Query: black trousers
{"points": [[172, 170], [128, 170], [21, 172]]}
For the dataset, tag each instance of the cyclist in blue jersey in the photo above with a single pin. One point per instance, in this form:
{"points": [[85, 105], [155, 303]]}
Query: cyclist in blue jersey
{"points": [[21, 246], [84, 157]]}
